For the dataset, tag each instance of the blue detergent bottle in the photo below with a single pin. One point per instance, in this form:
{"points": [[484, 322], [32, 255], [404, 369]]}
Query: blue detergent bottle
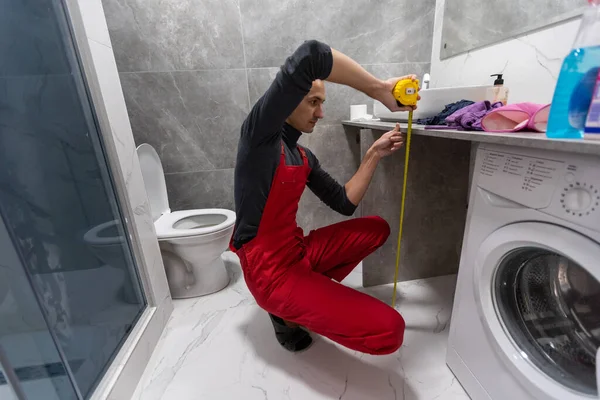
{"points": [[577, 79]]}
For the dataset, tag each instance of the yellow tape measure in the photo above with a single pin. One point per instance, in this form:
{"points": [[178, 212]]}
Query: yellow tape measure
{"points": [[406, 156], [406, 92]]}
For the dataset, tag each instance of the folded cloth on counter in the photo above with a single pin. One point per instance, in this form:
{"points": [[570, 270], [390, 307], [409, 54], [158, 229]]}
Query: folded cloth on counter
{"points": [[469, 118], [449, 109], [517, 117]]}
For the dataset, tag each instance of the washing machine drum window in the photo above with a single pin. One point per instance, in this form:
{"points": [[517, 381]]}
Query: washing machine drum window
{"points": [[550, 307]]}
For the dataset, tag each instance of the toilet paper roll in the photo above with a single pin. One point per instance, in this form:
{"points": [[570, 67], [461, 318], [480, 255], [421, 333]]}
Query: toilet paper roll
{"points": [[358, 111]]}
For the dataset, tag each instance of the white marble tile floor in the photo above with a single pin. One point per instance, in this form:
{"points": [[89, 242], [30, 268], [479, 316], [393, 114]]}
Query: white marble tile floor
{"points": [[222, 347]]}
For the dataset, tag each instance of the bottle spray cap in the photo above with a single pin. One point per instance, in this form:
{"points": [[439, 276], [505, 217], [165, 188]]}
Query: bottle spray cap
{"points": [[499, 81]]}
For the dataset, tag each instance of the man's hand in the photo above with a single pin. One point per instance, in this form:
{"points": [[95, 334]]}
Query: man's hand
{"points": [[388, 143], [384, 94]]}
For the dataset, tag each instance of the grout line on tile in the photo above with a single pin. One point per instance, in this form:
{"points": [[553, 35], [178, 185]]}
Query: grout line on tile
{"points": [[182, 70], [244, 54], [198, 171], [259, 68]]}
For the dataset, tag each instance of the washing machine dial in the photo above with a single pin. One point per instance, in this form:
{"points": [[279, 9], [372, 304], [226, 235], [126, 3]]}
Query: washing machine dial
{"points": [[580, 199]]}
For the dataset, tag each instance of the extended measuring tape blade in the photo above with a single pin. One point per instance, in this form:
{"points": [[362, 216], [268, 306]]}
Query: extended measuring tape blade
{"points": [[406, 157]]}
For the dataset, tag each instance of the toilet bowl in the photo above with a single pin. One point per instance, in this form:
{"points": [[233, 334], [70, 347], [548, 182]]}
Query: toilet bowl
{"points": [[191, 241], [107, 241]]}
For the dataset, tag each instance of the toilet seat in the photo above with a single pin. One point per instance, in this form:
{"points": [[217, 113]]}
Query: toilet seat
{"points": [[102, 235], [193, 222], [176, 224]]}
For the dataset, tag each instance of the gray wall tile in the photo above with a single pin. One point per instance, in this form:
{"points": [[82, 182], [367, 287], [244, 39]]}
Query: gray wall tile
{"points": [[155, 35], [259, 80], [204, 189], [388, 31], [435, 210], [191, 118], [338, 152]]}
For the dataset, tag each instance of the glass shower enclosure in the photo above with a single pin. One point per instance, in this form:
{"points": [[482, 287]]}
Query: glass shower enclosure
{"points": [[70, 292]]}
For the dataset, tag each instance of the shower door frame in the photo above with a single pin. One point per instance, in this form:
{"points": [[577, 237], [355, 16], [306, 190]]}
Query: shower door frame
{"points": [[90, 34]]}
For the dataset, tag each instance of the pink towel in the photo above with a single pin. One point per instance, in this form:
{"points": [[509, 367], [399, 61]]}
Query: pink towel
{"points": [[517, 117]]}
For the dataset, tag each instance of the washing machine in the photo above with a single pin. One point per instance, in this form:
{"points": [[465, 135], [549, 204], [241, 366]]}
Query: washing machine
{"points": [[526, 316]]}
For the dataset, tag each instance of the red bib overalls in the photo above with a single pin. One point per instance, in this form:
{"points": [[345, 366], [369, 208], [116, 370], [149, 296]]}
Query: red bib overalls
{"points": [[290, 275]]}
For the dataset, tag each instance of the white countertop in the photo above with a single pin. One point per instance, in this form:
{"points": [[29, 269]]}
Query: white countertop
{"points": [[537, 140]]}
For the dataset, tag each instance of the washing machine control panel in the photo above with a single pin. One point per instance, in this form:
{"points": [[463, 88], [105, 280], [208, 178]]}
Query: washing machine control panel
{"points": [[564, 185]]}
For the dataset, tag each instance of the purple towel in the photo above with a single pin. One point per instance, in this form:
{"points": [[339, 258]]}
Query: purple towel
{"points": [[469, 118]]}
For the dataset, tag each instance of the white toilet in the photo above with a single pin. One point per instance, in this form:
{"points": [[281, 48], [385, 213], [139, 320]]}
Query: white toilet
{"points": [[191, 241]]}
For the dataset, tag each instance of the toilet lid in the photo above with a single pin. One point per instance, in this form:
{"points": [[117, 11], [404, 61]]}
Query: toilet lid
{"points": [[154, 180]]}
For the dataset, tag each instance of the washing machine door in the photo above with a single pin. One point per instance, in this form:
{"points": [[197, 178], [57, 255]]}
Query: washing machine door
{"points": [[538, 291]]}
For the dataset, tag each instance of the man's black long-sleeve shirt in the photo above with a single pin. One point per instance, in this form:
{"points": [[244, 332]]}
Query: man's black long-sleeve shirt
{"points": [[263, 132]]}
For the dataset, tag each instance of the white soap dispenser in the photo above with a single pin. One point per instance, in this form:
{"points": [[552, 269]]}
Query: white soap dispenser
{"points": [[499, 91]]}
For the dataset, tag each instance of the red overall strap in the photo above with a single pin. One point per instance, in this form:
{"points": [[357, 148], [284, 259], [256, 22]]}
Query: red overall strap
{"points": [[279, 214]]}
